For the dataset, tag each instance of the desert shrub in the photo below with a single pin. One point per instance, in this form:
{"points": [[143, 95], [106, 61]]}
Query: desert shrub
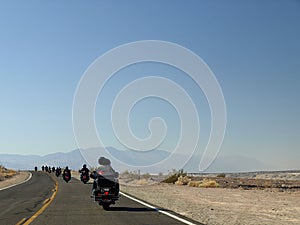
{"points": [[182, 180], [267, 184], [174, 176], [6, 173], [146, 176], [194, 183], [142, 182], [223, 175], [171, 179], [207, 183]]}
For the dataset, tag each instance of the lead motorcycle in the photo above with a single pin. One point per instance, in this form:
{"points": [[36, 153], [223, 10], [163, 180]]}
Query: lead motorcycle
{"points": [[106, 190]]}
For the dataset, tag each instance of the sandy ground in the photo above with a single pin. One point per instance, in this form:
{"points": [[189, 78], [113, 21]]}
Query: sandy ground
{"points": [[221, 205], [18, 178]]}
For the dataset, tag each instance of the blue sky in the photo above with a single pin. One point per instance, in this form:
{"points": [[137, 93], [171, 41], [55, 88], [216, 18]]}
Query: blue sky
{"points": [[252, 47]]}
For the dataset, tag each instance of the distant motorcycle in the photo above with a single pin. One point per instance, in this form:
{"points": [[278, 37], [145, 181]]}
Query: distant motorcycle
{"points": [[57, 172], [67, 174], [84, 177], [67, 177]]}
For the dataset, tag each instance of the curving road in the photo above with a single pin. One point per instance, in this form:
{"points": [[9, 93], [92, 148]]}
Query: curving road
{"points": [[23, 200], [72, 205]]}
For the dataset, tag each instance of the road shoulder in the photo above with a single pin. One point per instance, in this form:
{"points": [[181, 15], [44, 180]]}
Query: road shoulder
{"points": [[17, 179]]}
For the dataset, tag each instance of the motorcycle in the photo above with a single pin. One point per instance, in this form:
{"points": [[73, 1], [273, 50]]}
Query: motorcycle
{"points": [[57, 172], [67, 177], [84, 177], [106, 192], [105, 197]]}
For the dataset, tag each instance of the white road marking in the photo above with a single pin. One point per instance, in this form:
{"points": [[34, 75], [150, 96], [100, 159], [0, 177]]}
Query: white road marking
{"points": [[158, 210], [30, 175]]}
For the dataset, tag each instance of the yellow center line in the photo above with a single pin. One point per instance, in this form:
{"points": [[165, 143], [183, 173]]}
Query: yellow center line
{"points": [[46, 203], [21, 221], [46, 200]]}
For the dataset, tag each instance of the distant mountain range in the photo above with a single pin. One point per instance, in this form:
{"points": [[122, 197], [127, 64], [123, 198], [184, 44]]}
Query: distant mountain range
{"points": [[72, 159], [76, 158]]}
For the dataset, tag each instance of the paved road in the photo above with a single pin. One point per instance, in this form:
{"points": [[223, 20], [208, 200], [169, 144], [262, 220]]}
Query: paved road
{"points": [[73, 206], [23, 200]]}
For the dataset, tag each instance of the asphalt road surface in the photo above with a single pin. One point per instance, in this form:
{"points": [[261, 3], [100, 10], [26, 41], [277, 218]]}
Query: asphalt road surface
{"points": [[23, 200], [72, 205]]}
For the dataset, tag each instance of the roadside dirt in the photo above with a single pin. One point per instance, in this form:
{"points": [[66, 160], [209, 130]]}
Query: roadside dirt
{"points": [[235, 201], [17, 178]]}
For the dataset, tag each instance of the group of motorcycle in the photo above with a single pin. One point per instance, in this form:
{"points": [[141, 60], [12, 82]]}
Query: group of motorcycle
{"points": [[66, 173], [105, 190]]}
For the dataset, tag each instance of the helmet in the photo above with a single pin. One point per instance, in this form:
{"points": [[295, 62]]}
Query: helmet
{"points": [[104, 161], [84, 165]]}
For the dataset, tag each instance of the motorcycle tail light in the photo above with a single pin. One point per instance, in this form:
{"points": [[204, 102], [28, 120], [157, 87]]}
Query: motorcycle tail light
{"points": [[106, 193]]}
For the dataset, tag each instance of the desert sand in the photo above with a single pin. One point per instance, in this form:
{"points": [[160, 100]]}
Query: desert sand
{"points": [[214, 206], [18, 178]]}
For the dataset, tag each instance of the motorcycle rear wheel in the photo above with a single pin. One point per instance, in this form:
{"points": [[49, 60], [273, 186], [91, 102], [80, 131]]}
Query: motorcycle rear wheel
{"points": [[106, 206]]}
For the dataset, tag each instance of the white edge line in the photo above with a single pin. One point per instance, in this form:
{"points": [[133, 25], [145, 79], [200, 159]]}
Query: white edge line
{"points": [[158, 210], [30, 175]]}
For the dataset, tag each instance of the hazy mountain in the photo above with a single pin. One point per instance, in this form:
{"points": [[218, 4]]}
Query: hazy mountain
{"points": [[128, 159], [122, 158], [72, 159], [233, 163]]}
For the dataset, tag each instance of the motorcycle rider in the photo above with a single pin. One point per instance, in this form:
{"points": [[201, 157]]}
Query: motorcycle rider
{"points": [[58, 171], [104, 170], [84, 171], [67, 171]]}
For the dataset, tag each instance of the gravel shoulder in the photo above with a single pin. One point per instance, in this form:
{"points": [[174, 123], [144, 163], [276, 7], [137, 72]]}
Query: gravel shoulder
{"points": [[223, 205], [16, 179]]}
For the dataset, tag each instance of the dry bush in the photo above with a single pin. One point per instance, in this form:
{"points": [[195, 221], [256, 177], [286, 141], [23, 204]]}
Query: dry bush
{"points": [[174, 176], [6, 173], [194, 184], [182, 180], [142, 182], [146, 176], [171, 179], [223, 175], [207, 183], [267, 184]]}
